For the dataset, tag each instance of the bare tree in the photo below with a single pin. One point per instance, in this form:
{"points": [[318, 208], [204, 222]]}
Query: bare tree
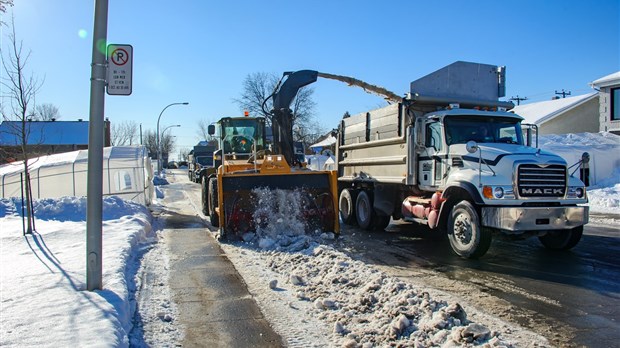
{"points": [[167, 143], [124, 133], [202, 131], [20, 90], [257, 87], [3, 6], [183, 153], [46, 112]]}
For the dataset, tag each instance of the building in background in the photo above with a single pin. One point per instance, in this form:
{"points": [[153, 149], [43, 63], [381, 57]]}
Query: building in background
{"points": [[45, 138], [576, 114], [608, 88]]}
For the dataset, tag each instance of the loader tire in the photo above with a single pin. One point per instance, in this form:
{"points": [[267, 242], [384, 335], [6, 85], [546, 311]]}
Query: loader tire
{"points": [[213, 203], [364, 212], [204, 193], [346, 204], [562, 239]]}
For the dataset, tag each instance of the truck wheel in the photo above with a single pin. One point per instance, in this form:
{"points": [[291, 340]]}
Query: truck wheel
{"points": [[381, 222], [467, 237], [562, 239], [346, 204], [204, 193], [364, 213], [213, 203]]}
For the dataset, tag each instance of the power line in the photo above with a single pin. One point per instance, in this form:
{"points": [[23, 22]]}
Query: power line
{"points": [[518, 99], [563, 93]]}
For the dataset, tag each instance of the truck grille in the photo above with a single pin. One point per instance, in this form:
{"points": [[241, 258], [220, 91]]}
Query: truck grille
{"points": [[535, 180]]}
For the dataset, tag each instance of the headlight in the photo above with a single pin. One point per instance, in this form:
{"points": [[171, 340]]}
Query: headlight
{"points": [[576, 192], [498, 192]]}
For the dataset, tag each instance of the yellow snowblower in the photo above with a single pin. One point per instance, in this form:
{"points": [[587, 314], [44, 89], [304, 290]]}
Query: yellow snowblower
{"points": [[263, 186]]}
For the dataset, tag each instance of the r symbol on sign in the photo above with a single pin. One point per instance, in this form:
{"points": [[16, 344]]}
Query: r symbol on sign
{"points": [[119, 56]]}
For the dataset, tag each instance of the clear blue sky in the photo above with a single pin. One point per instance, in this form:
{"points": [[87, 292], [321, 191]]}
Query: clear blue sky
{"points": [[201, 50]]}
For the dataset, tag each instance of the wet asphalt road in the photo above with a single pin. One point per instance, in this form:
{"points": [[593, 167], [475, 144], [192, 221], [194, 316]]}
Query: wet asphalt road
{"points": [[571, 298]]}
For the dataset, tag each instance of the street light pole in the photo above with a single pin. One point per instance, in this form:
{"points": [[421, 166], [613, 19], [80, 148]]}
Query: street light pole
{"points": [[159, 149], [158, 143]]}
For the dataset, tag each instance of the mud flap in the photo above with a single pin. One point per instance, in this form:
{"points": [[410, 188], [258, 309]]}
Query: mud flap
{"points": [[298, 200]]}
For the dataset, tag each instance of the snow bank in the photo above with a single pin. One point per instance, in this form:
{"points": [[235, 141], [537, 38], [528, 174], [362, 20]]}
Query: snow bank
{"points": [[45, 273], [603, 147], [363, 306]]}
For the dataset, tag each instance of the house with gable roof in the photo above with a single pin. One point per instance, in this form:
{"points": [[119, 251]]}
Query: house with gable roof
{"points": [[45, 138], [576, 114], [608, 88]]}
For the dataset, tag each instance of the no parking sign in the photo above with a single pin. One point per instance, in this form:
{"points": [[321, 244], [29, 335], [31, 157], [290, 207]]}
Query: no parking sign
{"points": [[120, 64]]}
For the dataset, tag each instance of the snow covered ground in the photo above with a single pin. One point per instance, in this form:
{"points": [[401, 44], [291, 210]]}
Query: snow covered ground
{"points": [[311, 293]]}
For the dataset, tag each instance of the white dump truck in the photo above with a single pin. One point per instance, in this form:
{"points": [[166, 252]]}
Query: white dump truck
{"points": [[451, 156]]}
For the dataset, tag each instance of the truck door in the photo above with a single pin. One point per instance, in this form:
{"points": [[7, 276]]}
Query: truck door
{"points": [[431, 165]]}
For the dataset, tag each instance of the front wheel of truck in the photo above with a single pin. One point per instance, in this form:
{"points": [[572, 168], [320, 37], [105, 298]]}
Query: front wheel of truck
{"points": [[562, 239], [467, 237]]}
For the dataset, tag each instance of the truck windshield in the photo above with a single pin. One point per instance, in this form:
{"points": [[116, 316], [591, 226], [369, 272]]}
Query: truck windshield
{"points": [[461, 129], [205, 160], [241, 135]]}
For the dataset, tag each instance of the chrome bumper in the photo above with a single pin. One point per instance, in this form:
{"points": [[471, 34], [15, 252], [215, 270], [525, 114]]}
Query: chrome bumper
{"points": [[518, 219]]}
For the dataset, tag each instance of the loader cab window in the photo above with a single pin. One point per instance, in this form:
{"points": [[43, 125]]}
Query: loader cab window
{"points": [[242, 135]]}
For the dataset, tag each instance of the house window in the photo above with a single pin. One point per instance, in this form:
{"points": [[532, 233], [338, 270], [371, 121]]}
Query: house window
{"points": [[615, 104]]}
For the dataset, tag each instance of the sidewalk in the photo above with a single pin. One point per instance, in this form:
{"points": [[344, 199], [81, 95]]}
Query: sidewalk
{"points": [[215, 306]]}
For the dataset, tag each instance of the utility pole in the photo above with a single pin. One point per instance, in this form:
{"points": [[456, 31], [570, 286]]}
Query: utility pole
{"points": [[518, 99], [563, 93]]}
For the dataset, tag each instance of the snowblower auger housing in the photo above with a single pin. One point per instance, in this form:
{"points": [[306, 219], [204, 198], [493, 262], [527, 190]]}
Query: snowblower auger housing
{"points": [[259, 186]]}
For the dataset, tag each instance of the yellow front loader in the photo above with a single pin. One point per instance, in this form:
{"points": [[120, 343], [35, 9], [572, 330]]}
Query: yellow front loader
{"points": [[262, 187]]}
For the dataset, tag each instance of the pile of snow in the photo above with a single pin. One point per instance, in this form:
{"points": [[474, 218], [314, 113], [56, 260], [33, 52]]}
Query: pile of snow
{"points": [[603, 147], [43, 278], [363, 306], [367, 308]]}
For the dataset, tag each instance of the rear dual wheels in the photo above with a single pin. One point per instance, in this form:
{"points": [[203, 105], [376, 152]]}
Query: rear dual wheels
{"points": [[346, 204], [357, 208]]}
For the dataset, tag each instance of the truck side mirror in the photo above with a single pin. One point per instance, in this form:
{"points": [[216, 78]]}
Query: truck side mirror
{"points": [[471, 146], [211, 129]]}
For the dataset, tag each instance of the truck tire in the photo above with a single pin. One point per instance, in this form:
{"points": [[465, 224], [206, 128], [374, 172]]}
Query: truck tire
{"points": [[562, 239], [364, 213], [346, 206], [204, 193], [213, 203], [467, 237], [381, 222]]}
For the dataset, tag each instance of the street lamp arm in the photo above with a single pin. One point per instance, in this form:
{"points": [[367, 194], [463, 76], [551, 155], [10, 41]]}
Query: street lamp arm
{"points": [[158, 138]]}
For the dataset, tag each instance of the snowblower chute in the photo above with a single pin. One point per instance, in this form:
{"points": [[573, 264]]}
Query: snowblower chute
{"points": [[258, 188]]}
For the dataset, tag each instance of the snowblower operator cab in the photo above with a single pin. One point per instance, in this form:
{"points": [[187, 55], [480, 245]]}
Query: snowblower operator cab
{"points": [[239, 137]]}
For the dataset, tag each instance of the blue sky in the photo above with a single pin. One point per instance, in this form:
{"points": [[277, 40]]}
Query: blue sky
{"points": [[200, 51]]}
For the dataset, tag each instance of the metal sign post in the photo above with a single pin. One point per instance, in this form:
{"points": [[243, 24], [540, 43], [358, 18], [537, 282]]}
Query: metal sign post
{"points": [[94, 188], [114, 70]]}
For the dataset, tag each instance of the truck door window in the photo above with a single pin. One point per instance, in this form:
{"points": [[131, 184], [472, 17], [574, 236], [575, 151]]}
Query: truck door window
{"points": [[433, 136]]}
